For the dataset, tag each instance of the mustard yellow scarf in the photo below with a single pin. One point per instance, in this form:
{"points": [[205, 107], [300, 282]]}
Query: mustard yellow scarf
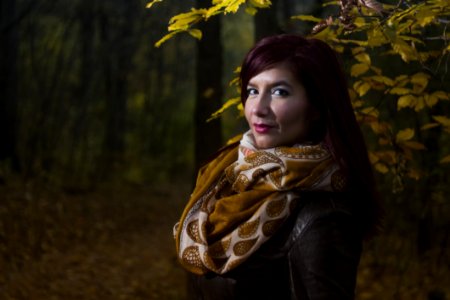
{"points": [[243, 196]]}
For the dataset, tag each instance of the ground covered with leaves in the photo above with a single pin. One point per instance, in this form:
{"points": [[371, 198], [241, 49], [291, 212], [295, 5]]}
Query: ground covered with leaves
{"points": [[116, 243]]}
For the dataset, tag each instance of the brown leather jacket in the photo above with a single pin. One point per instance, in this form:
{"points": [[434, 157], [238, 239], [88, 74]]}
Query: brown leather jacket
{"points": [[314, 256]]}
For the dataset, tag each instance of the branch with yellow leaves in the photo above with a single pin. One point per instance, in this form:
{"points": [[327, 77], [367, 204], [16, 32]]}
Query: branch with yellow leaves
{"points": [[185, 22]]}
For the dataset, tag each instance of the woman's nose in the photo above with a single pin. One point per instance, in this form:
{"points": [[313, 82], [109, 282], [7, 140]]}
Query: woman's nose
{"points": [[262, 105]]}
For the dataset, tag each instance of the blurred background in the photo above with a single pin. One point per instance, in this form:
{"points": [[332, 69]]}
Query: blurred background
{"points": [[101, 136]]}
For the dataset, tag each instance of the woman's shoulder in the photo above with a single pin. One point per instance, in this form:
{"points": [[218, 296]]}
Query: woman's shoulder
{"points": [[329, 211]]}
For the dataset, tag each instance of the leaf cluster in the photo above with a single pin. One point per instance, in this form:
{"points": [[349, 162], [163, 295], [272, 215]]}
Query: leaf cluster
{"points": [[398, 59]]}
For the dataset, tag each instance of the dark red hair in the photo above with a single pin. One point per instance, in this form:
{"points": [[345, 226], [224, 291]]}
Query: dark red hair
{"points": [[317, 67]]}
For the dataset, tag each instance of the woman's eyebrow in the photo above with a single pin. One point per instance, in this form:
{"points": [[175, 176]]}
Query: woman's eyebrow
{"points": [[276, 83]]}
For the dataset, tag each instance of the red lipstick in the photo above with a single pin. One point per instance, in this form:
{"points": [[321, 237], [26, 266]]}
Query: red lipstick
{"points": [[261, 128]]}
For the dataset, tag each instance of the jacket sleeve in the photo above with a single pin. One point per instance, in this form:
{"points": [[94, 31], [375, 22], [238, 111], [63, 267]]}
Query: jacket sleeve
{"points": [[324, 257]]}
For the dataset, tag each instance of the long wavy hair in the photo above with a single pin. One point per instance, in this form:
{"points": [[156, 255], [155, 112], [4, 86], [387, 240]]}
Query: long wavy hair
{"points": [[317, 67]]}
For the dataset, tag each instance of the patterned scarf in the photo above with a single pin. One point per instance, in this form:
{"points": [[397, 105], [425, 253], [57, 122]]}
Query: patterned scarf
{"points": [[243, 196]]}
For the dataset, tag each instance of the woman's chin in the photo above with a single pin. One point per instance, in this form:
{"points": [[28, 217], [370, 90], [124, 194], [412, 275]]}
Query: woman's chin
{"points": [[265, 142]]}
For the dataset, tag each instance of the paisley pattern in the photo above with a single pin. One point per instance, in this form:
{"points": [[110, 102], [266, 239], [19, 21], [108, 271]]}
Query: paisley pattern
{"points": [[247, 201]]}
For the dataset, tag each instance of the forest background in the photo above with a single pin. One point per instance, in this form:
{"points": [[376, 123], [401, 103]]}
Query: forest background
{"points": [[102, 133]]}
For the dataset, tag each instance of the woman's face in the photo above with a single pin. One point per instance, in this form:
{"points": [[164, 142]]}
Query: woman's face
{"points": [[277, 108]]}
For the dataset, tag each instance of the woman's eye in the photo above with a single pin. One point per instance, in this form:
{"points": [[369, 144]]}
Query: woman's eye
{"points": [[251, 92], [280, 92]]}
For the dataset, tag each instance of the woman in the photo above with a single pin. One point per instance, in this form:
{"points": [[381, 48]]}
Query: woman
{"points": [[282, 213]]}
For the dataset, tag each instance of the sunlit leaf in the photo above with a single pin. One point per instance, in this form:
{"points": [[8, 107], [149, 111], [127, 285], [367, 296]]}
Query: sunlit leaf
{"points": [[233, 5], [404, 135], [420, 82], [442, 120], [406, 101], [371, 111], [359, 69], [383, 79], [429, 126], [407, 53], [361, 87], [441, 95], [151, 3], [359, 22], [430, 100], [195, 33], [184, 20], [225, 106], [251, 10], [357, 50], [306, 18], [420, 103], [425, 17], [165, 38], [261, 3], [399, 91], [363, 58], [382, 168]]}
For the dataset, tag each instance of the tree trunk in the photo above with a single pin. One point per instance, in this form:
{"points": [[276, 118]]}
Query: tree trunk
{"points": [[208, 136], [117, 38], [266, 22], [8, 83]]}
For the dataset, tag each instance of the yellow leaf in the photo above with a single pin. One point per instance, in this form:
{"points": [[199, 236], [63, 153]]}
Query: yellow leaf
{"points": [[363, 58], [359, 22], [373, 157], [357, 50], [430, 100], [382, 168], [429, 126], [358, 69], [376, 38], [165, 38], [195, 33], [306, 18], [251, 10], [338, 48], [425, 17], [363, 89], [404, 135], [414, 145], [261, 3], [401, 80], [443, 120], [406, 101], [233, 5], [441, 95], [151, 3], [356, 42], [399, 91], [371, 111], [225, 106], [376, 70], [445, 160], [383, 79], [420, 80], [420, 103], [406, 52], [185, 20], [378, 128]]}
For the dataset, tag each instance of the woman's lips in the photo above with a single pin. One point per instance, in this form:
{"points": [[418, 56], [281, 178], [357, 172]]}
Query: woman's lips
{"points": [[261, 128]]}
